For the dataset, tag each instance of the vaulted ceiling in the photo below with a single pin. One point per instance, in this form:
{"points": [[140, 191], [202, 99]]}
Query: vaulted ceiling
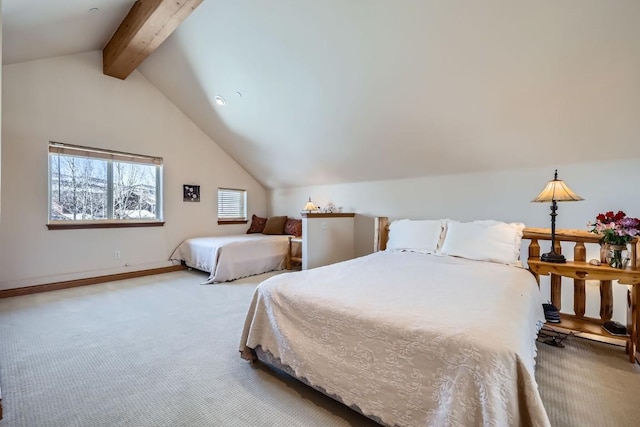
{"points": [[333, 91]]}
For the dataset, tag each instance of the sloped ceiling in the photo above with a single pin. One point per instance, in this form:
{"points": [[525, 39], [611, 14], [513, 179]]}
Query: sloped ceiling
{"points": [[332, 91], [36, 29]]}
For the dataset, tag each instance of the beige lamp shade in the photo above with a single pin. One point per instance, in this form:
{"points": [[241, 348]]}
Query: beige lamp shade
{"points": [[557, 190], [309, 206]]}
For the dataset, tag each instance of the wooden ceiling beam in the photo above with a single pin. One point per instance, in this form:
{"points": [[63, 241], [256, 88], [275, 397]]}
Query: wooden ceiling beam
{"points": [[146, 26]]}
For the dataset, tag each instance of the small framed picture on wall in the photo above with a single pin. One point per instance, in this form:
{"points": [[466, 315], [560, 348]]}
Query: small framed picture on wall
{"points": [[190, 193]]}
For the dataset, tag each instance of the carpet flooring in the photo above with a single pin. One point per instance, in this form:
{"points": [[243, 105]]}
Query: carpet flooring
{"points": [[163, 351]]}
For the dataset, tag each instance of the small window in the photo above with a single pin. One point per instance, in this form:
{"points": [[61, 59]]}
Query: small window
{"points": [[95, 186], [232, 206]]}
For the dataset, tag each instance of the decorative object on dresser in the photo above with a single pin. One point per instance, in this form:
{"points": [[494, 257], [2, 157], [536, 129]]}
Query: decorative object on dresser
{"points": [[310, 206], [555, 191], [331, 208], [580, 270], [617, 230]]}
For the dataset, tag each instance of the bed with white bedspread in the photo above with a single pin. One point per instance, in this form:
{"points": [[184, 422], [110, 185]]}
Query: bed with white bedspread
{"points": [[407, 338], [232, 257]]}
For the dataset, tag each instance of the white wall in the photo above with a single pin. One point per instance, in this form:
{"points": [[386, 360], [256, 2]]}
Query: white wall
{"points": [[68, 99], [0, 108], [326, 241], [503, 195]]}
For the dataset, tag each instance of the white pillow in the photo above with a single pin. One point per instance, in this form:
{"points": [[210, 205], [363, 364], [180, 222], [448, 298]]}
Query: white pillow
{"points": [[489, 240], [417, 236]]}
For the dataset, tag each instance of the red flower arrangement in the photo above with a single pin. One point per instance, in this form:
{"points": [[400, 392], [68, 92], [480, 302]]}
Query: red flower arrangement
{"points": [[616, 229]]}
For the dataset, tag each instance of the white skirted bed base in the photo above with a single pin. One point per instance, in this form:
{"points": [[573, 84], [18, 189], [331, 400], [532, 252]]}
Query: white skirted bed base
{"points": [[232, 257], [407, 339]]}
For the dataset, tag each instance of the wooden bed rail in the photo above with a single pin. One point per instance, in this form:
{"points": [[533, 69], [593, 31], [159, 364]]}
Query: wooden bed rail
{"points": [[579, 237]]}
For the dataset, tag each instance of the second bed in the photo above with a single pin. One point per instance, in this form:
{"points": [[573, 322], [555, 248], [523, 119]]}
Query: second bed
{"points": [[232, 257]]}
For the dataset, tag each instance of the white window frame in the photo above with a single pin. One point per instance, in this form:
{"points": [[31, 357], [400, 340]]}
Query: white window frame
{"points": [[236, 213], [58, 148]]}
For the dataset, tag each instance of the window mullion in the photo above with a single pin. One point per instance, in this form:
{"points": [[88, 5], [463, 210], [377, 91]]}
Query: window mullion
{"points": [[159, 192], [109, 189]]}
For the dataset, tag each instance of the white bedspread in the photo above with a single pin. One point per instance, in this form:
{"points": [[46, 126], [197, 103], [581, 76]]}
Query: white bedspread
{"points": [[412, 339], [232, 257]]}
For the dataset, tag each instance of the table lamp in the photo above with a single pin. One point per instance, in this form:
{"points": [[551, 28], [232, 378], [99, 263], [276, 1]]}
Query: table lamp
{"points": [[555, 191], [309, 207]]}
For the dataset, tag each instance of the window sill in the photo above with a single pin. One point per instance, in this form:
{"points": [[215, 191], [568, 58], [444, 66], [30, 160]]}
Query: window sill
{"points": [[232, 222], [99, 224]]}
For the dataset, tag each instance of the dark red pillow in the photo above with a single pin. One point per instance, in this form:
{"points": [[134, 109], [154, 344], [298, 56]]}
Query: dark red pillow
{"points": [[257, 224], [293, 227]]}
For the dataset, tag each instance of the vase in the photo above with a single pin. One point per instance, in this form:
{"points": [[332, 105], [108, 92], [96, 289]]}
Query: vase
{"points": [[617, 256]]}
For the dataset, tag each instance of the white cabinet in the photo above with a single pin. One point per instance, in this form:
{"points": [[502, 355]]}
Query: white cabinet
{"points": [[326, 238]]}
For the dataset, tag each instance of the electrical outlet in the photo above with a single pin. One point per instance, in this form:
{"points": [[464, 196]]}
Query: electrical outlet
{"points": [[116, 255]]}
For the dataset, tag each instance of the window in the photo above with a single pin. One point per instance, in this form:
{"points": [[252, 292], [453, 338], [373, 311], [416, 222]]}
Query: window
{"points": [[232, 206], [93, 186]]}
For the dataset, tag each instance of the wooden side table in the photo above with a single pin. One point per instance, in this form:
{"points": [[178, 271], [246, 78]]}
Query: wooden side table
{"points": [[291, 259], [581, 270]]}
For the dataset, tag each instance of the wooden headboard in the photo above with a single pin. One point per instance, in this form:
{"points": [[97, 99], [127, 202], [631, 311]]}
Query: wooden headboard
{"points": [[579, 237]]}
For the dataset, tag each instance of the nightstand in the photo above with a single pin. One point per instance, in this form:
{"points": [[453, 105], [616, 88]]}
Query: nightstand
{"points": [[295, 247], [585, 271], [580, 271]]}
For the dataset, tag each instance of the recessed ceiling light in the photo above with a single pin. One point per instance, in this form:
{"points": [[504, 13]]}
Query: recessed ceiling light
{"points": [[220, 100]]}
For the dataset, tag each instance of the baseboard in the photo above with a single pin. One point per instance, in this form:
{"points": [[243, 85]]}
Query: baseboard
{"points": [[6, 293]]}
